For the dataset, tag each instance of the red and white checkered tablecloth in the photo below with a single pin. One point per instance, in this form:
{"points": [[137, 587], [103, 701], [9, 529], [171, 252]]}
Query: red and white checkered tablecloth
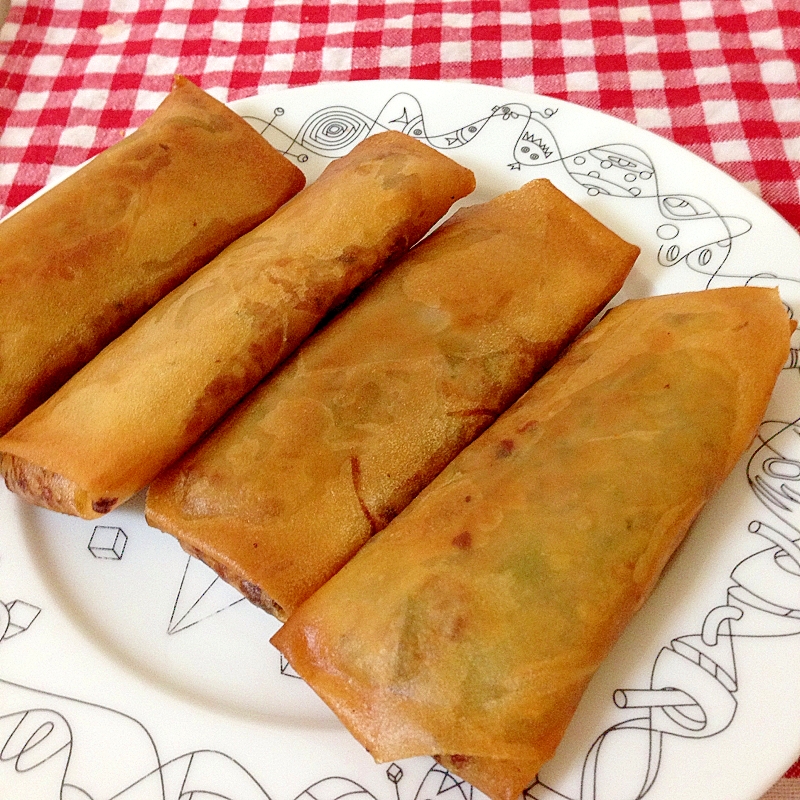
{"points": [[720, 77]]}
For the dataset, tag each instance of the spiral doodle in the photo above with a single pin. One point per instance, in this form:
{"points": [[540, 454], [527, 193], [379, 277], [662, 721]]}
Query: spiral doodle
{"points": [[334, 130]]}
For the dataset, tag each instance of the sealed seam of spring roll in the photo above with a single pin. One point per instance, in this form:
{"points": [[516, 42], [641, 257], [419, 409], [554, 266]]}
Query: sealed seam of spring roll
{"points": [[469, 628], [157, 388], [80, 263], [326, 452]]}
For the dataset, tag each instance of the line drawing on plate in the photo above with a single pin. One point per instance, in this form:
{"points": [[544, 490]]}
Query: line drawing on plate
{"points": [[54, 747], [51, 747], [693, 682], [201, 594], [693, 232], [287, 669], [57, 748], [16, 617], [108, 542]]}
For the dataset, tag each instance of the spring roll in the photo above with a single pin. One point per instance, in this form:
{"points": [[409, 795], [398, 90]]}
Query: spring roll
{"points": [[156, 389], [469, 628], [372, 408], [80, 263]]}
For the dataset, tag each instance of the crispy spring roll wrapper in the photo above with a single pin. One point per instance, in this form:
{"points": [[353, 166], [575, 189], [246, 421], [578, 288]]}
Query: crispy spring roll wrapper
{"points": [[83, 261], [469, 628], [157, 388], [322, 456]]}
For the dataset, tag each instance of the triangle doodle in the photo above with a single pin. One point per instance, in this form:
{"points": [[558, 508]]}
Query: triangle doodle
{"points": [[202, 594]]}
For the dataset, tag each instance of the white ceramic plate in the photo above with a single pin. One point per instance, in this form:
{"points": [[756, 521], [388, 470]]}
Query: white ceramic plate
{"points": [[129, 671]]}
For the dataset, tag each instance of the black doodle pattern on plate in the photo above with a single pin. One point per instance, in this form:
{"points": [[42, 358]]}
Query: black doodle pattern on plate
{"points": [[50, 746], [694, 679], [694, 233], [108, 542], [201, 595], [16, 617]]}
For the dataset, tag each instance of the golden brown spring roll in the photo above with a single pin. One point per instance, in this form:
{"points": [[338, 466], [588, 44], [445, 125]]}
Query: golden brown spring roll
{"points": [[83, 261], [372, 408], [469, 628], [154, 391]]}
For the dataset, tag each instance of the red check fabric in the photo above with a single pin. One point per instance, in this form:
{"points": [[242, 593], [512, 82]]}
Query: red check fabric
{"points": [[719, 77]]}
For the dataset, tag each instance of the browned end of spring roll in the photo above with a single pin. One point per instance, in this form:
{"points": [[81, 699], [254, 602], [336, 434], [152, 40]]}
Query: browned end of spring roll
{"points": [[324, 454], [157, 388], [83, 261], [470, 627]]}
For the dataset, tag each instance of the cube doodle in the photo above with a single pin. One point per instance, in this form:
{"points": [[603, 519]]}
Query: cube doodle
{"points": [[21, 615], [108, 542]]}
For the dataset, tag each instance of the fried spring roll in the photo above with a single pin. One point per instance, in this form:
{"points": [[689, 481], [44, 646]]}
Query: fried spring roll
{"points": [[323, 455], [153, 391], [469, 628], [83, 261]]}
